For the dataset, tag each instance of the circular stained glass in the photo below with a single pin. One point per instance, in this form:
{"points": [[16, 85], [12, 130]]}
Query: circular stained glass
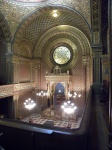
{"points": [[61, 55]]}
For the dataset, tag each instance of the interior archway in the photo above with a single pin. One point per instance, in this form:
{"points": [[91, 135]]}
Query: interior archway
{"points": [[59, 94]]}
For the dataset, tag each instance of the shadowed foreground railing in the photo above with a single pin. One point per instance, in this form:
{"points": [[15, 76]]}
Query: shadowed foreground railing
{"points": [[12, 89], [17, 135]]}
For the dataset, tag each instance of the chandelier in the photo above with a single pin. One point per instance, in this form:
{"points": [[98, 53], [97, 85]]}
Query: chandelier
{"points": [[42, 93], [29, 104], [69, 107], [74, 95]]}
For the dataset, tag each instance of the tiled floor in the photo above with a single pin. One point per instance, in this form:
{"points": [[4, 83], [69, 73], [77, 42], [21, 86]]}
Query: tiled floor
{"points": [[39, 119]]}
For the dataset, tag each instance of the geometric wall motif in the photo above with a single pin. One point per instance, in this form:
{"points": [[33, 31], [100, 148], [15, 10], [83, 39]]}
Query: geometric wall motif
{"points": [[96, 21], [24, 49], [39, 22], [18, 13], [5, 28]]}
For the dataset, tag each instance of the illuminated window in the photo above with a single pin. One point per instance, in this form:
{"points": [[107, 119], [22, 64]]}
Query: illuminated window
{"points": [[61, 55]]}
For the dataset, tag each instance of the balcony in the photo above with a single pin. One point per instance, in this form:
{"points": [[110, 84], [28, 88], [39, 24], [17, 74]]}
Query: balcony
{"points": [[12, 89]]}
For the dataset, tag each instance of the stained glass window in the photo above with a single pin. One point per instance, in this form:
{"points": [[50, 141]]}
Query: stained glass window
{"points": [[61, 55]]}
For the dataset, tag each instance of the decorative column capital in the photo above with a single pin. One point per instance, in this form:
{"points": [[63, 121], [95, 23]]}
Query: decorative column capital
{"points": [[85, 59]]}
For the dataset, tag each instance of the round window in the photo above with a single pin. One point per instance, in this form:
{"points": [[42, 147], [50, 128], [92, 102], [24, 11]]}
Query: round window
{"points": [[61, 55]]}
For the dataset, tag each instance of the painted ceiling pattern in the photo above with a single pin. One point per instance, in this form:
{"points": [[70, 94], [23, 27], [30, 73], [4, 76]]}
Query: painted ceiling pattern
{"points": [[45, 21], [15, 11]]}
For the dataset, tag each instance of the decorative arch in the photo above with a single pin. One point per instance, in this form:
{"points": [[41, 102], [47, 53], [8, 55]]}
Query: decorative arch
{"points": [[43, 32], [24, 49], [45, 12], [59, 88], [65, 35], [58, 93], [5, 28], [72, 36]]}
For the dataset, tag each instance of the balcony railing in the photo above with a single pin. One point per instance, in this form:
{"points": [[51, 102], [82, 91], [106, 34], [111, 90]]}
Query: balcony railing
{"points": [[10, 90]]}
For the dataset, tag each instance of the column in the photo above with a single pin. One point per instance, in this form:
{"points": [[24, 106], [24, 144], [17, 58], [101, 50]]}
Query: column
{"points": [[15, 101], [96, 39], [15, 61], [36, 74], [97, 74], [9, 68]]}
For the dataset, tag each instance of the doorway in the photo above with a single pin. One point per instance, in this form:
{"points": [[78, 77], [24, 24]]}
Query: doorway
{"points": [[59, 94]]}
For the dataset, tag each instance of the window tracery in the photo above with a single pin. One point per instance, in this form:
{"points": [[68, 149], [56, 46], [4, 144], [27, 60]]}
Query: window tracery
{"points": [[61, 55]]}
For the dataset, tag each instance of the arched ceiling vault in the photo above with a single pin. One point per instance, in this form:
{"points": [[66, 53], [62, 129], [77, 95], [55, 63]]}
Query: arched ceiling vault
{"points": [[4, 26], [41, 25], [61, 34]]}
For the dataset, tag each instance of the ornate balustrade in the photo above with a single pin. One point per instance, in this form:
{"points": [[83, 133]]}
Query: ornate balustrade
{"points": [[9, 90]]}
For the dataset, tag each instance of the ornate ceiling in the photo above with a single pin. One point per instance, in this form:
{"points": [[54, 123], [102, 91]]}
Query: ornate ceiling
{"points": [[15, 11], [41, 27], [37, 23], [34, 29]]}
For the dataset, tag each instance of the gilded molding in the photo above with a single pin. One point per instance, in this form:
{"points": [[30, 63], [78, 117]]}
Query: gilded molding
{"points": [[13, 89], [6, 91], [23, 86], [86, 59]]}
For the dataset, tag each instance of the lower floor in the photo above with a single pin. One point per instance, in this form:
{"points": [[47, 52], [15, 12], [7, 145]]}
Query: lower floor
{"points": [[55, 118], [96, 137]]}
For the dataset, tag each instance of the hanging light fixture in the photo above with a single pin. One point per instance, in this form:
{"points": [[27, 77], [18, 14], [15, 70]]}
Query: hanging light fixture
{"points": [[42, 93], [69, 107], [29, 104], [74, 95]]}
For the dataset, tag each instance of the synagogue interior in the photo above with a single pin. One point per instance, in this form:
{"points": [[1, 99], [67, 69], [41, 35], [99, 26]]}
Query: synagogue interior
{"points": [[55, 75]]}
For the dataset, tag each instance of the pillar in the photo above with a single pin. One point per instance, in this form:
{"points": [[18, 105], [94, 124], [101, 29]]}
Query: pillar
{"points": [[15, 101], [97, 66]]}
